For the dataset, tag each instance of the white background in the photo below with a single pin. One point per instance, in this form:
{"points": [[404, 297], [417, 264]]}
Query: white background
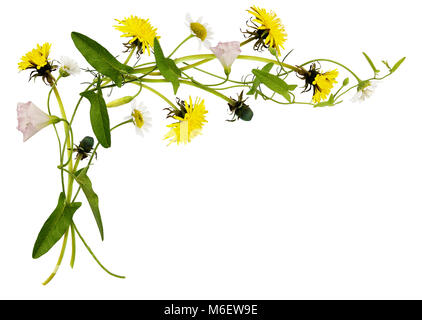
{"points": [[300, 203]]}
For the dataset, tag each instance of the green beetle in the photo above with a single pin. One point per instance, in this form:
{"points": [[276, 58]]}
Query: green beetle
{"points": [[85, 147], [239, 109]]}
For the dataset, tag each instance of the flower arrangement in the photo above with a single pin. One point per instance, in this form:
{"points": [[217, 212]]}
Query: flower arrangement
{"points": [[274, 81]]}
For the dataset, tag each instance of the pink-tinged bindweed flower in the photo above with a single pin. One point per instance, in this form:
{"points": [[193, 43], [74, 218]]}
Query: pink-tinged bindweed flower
{"points": [[31, 119], [227, 52]]}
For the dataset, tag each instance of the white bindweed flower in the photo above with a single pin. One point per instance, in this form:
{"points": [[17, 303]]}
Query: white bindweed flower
{"points": [[68, 67], [199, 30], [226, 53], [31, 119], [141, 118], [365, 90]]}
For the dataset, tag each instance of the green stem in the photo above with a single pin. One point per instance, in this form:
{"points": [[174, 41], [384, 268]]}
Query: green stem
{"points": [[94, 152], [72, 258], [58, 137], [217, 76], [339, 64], [59, 261], [247, 41], [210, 90], [93, 255], [129, 56], [68, 143], [160, 95], [77, 105], [180, 44], [204, 58], [194, 84]]}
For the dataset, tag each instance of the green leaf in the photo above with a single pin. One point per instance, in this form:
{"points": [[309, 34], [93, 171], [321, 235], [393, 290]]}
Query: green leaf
{"points": [[371, 63], [167, 66], [86, 186], [328, 103], [274, 83], [100, 58], [397, 65], [55, 226], [256, 82], [100, 120]]}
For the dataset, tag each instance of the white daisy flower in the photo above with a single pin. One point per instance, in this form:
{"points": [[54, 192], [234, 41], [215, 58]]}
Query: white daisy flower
{"points": [[141, 118], [200, 30], [365, 90], [68, 67]]}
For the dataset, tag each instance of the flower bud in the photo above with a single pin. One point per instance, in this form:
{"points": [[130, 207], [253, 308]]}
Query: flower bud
{"points": [[119, 102]]}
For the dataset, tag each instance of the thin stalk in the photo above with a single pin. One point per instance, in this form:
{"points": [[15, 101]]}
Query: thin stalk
{"points": [[194, 84], [72, 258], [94, 152], [93, 255], [217, 76], [161, 96], [59, 261], [180, 44], [247, 41], [58, 138], [68, 143], [129, 56]]}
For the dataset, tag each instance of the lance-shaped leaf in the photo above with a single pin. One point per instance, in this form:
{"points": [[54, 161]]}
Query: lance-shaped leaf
{"points": [[274, 83], [55, 226], [256, 82], [100, 120], [371, 63], [397, 65], [86, 186], [100, 58], [167, 66]]}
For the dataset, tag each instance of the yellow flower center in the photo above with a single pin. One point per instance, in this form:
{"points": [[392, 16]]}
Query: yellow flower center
{"points": [[199, 30], [138, 119]]}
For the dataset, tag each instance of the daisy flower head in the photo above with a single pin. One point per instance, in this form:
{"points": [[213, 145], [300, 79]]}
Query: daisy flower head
{"points": [[68, 67], [38, 60], [141, 118], [266, 29], [200, 30], [364, 91], [141, 32], [322, 83], [190, 121]]}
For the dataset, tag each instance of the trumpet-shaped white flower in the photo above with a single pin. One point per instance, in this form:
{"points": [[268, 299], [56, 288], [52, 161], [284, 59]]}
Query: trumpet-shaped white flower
{"points": [[141, 118], [365, 90], [31, 119], [226, 53], [68, 67], [200, 30]]}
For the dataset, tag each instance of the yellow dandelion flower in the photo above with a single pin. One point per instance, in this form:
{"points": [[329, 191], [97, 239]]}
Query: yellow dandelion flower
{"points": [[140, 30], [36, 58], [323, 84], [267, 30], [191, 119]]}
